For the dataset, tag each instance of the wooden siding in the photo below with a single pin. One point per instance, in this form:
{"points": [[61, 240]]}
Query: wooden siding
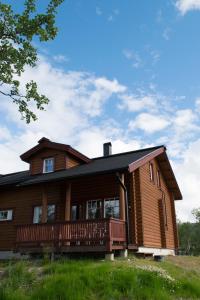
{"points": [[61, 160], [22, 201], [155, 232], [136, 219], [146, 211], [71, 162]]}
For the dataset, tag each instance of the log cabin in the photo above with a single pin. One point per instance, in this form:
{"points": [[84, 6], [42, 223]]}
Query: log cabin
{"points": [[68, 203]]}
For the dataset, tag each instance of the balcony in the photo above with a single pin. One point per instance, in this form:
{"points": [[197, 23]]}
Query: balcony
{"points": [[100, 235]]}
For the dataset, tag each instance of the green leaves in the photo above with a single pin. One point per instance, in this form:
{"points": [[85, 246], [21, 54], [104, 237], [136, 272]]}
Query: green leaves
{"points": [[17, 32]]}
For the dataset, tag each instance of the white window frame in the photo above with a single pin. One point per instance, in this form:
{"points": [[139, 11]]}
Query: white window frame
{"points": [[110, 199], [9, 215], [158, 178], [44, 164], [39, 209], [151, 171], [93, 200]]}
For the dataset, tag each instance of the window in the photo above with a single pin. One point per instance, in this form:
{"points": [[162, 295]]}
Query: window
{"points": [[48, 165], [75, 213], [111, 208], [51, 213], [37, 215], [6, 215], [94, 209], [158, 178], [151, 171]]}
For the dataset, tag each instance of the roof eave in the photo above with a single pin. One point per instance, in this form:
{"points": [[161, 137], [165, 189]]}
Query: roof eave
{"points": [[73, 177], [142, 161]]}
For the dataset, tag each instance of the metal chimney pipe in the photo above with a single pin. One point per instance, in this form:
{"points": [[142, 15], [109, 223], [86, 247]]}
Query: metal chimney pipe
{"points": [[107, 149]]}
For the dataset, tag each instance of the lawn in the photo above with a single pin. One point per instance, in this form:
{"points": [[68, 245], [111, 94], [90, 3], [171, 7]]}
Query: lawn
{"points": [[175, 278]]}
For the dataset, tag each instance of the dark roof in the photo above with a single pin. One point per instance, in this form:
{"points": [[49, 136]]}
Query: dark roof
{"points": [[14, 178], [97, 165], [100, 165], [46, 143]]}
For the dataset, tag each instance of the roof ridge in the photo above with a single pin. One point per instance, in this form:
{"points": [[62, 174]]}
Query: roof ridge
{"points": [[128, 152]]}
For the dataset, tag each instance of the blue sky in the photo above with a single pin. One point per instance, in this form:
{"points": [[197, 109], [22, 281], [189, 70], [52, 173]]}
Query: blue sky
{"points": [[120, 71]]}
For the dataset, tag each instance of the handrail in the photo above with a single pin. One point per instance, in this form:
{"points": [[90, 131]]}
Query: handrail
{"points": [[88, 232]]}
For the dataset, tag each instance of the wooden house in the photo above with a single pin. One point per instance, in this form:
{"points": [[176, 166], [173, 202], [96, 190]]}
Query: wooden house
{"points": [[67, 202]]}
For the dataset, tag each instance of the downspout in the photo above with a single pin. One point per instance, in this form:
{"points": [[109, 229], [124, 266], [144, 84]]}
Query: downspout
{"points": [[126, 208]]}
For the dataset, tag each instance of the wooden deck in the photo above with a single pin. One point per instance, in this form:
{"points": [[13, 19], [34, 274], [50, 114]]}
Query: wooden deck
{"points": [[103, 235]]}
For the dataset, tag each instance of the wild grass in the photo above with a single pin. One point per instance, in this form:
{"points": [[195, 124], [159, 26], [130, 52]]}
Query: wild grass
{"points": [[100, 280]]}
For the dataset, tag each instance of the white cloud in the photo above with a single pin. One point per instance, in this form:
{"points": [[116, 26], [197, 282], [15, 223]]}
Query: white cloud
{"points": [[186, 5], [75, 98], [149, 123], [197, 105], [135, 103], [184, 121], [188, 174], [4, 134]]}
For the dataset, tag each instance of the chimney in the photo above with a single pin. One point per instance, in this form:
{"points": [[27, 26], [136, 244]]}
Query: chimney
{"points": [[107, 149]]}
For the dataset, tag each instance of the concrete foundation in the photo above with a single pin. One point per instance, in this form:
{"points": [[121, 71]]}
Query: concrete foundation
{"points": [[156, 251], [109, 256], [4, 255], [124, 253]]}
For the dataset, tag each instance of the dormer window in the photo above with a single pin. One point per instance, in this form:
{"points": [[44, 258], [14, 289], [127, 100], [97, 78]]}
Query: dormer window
{"points": [[48, 165], [151, 171]]}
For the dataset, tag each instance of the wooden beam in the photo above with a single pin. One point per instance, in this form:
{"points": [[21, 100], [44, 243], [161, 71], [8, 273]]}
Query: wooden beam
{"points": [[122, 207], [44, 205], [68, 202], [142, 161]]}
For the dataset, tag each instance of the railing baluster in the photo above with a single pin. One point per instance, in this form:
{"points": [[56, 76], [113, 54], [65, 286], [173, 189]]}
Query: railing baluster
{"points": [[88, 232]]}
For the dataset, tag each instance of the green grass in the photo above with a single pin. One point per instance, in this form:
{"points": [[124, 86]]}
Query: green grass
{"points": [[175, 278]]}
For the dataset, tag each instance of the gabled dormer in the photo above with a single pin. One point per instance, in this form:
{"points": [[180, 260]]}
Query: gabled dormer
{"points": [[49, 156]]}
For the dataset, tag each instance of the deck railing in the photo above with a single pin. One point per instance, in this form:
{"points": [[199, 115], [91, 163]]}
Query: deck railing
{"points": [[105, 233]]}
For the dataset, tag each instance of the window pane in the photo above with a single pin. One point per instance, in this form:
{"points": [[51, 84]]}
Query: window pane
{"points": [[6, 215], [51, 213], [111, 208], [151, 172], [37, 216], [94, 208], [48, 165], [74, 212]]}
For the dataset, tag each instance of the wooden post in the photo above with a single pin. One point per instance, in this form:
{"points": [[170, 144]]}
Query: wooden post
{"points": [[44, 205], [68, 202], [122, 209]]}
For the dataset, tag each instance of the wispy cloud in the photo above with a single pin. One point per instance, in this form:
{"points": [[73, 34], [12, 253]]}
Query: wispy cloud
{"points": [[166, 33], [134, 57], [187, 5], [159, 16], [113, 15], [60, 58], [155, 55], [99, 11]]}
